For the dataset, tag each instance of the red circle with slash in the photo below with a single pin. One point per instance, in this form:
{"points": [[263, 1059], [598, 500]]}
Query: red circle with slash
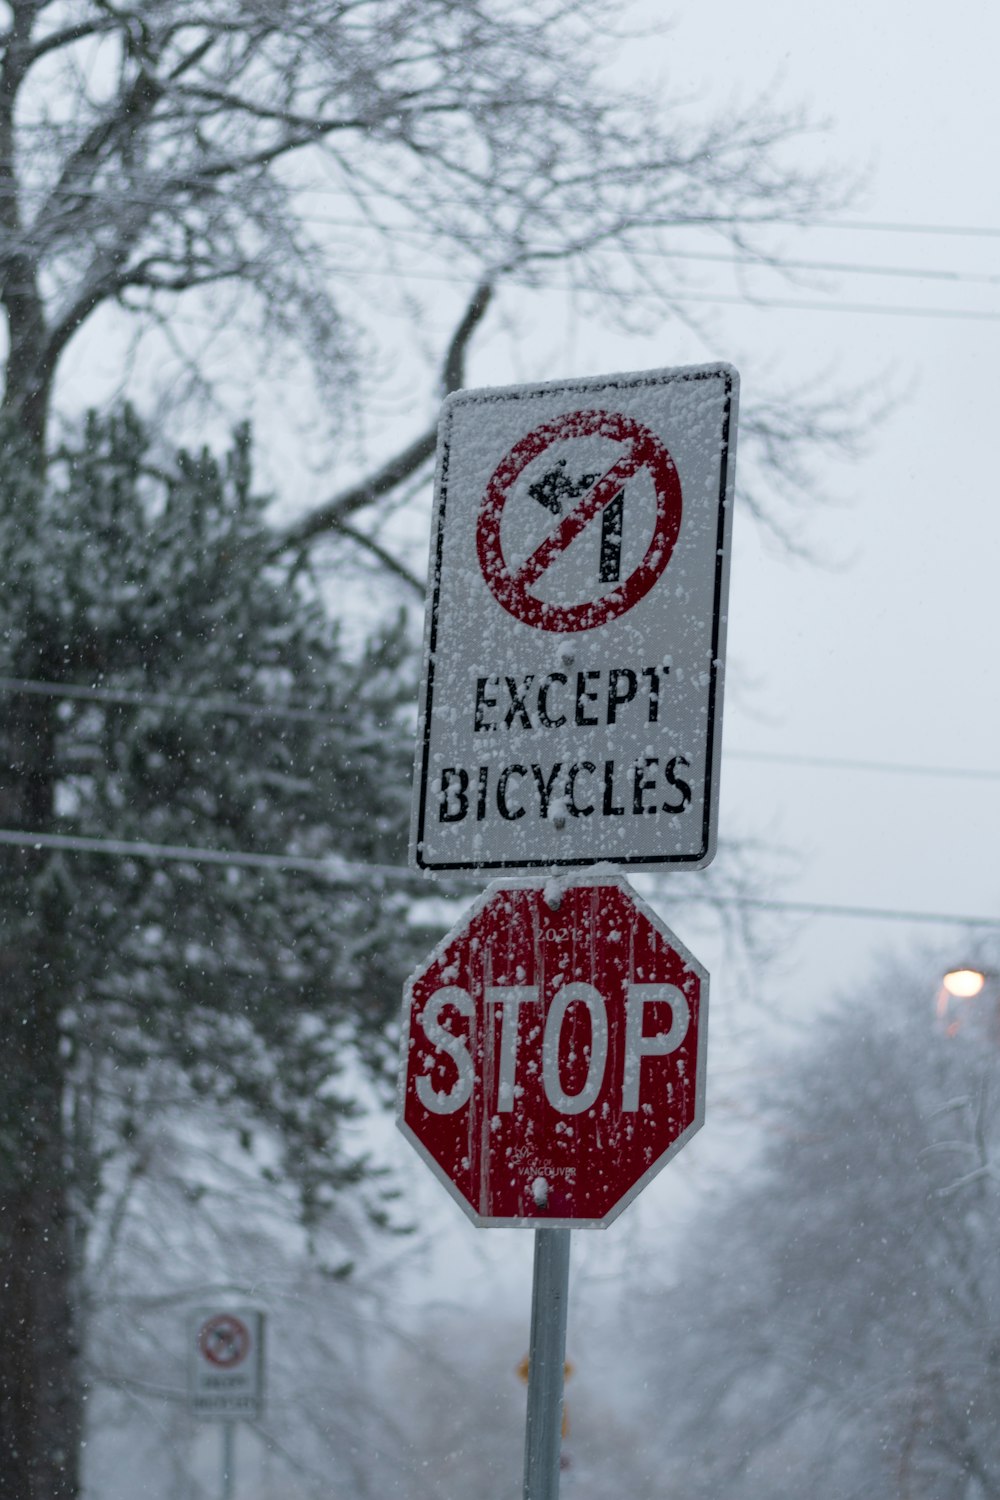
{"points": [[510, 586], [224, 1341]]}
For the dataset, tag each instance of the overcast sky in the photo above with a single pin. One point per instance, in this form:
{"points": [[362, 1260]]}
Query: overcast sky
{"points": [[891, 658], [888, 655]]}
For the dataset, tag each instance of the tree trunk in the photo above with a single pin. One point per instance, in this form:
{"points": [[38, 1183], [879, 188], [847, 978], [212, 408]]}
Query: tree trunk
{"points": [[40, 1402], [39, 1358], [28, 385]]}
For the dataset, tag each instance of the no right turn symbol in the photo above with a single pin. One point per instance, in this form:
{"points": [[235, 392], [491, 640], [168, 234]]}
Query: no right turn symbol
{"points": [[588, 474]]}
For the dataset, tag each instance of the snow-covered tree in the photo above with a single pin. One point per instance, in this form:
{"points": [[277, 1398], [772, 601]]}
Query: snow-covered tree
{"points": [[190, 1225], [834, 1328], [177, 692], [237, 161]]}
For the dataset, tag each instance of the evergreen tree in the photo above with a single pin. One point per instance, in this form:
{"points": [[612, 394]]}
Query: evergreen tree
{"points": [[176, 691]]}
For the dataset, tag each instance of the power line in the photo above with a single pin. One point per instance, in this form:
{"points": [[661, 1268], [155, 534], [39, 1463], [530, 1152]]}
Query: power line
{"points": [[731, 299], [697, 221], [878, 309], [845, 763], [642, 294], [332, 868], [970, 231], [163, 700], [853, 268], [871, 913], [746, 221], [743, 221], [778, 263], [241, 707], [349, 873], [760, 261]]}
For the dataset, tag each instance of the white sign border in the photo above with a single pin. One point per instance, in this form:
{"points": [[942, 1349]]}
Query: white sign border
{"points": [[256, 1320], [727, 476], [609, 877]]}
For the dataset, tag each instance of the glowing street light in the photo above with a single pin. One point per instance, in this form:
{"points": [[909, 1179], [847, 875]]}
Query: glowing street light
{"points": [[964, 984], [957, 984]]}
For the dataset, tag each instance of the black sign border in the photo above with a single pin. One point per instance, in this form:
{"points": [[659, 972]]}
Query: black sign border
{"points": [[703, 856]]}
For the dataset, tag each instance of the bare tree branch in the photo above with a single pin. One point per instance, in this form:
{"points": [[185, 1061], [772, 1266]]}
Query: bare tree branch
{"points": [[183, 154], [389, 476], [391, 564]]}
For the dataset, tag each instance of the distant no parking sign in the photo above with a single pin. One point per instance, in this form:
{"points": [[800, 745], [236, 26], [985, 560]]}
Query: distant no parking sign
{"points": [[576, 624]]}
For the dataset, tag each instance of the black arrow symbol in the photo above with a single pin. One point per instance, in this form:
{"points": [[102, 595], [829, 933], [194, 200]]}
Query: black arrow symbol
{"points": [[555, 486]]}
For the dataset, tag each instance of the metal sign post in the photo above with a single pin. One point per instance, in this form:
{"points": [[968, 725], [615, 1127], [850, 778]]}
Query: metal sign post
{"points": [[546, 1364], [226, 1375], [228, 1459]]}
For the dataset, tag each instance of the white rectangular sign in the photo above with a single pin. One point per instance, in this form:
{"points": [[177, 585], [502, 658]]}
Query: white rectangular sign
{"points": [[226, 1364], [576, 623]]}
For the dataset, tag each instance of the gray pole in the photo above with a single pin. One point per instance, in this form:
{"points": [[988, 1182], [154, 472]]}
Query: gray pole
{"points": [[228, 1458], [546, 1359]]}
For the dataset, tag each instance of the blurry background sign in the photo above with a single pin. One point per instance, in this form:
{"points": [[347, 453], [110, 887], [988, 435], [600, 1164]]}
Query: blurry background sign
{"points": [[227, 1364]]}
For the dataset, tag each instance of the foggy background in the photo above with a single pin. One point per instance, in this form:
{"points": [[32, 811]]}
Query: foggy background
{"points": [[862, 708]]}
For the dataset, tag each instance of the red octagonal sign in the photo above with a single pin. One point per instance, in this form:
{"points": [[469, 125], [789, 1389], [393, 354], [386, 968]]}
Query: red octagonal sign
{"points": [[553, 1056]]}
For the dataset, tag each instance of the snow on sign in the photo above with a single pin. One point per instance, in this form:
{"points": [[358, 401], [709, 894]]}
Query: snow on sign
{"points": [[227, 1364], [553, 1058], [576, 623]]}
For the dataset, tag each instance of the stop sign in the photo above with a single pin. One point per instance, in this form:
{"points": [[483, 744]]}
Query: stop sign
{"points": [[553, 1056]]}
